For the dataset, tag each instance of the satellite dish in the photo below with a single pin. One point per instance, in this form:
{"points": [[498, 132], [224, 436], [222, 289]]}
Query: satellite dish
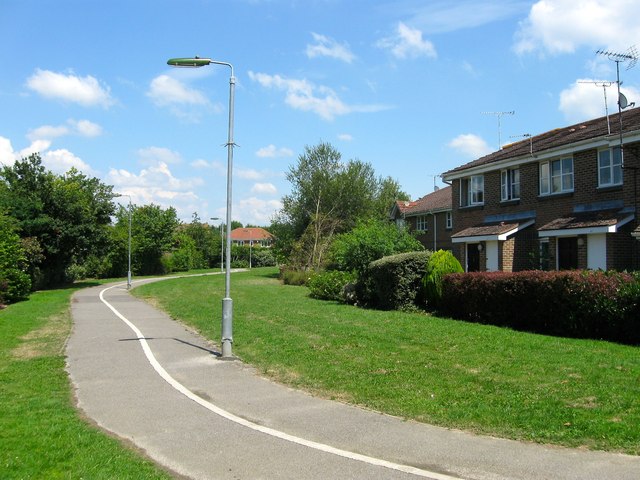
{"points": [[622, 100]]}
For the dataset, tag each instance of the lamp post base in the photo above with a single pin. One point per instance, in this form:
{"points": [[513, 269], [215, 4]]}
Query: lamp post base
{"points": [[227, 328]]}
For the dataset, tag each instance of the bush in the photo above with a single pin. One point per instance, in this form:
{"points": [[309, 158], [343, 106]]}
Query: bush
{"points": [[330, 285], [601, 305], [369, 241], [263, 257], [294, 276], [394, 282], [440, 264]]}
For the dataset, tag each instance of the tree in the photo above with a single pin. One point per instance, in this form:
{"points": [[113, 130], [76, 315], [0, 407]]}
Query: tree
{"points": [[328, 197], [152, 234], [15, 283], [68, 215]]}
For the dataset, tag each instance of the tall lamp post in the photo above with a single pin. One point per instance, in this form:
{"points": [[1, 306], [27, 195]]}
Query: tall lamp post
{"points": [[129, 263], [227, 302]]}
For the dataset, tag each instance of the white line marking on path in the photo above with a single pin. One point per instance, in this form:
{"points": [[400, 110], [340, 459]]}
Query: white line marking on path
{"points": [[260, 428]]}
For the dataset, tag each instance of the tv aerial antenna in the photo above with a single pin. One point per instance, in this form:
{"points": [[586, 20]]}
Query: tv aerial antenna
{"points": [[530, 137], [499, 115], [630, 56], [604, 84]]}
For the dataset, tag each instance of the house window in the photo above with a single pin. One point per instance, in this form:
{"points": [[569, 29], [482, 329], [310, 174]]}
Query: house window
{"points": [[556, 176], [510, 184], [609, 167], [448, 221], [421, 223], [472, 191]]}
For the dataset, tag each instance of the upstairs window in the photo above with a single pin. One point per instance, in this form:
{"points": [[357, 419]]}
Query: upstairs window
{"points": [[556, 176], [448, 221], [609, 167], [510, 184], [472, 191], [421, 223]]}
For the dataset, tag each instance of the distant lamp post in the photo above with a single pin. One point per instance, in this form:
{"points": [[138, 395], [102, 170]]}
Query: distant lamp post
{"points": [[221, 244], [227, 302], [129, 263]]}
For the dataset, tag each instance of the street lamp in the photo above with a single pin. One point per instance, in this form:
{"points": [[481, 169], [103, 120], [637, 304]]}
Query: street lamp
{"points": [[221, 244], [227, 302], [129, 270]]}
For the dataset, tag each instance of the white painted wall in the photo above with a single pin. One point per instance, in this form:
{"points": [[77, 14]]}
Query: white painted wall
{"points": [[597, 251]]}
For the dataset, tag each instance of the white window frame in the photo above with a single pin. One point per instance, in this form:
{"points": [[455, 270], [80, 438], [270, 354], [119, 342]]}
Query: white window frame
{"points": [[613, 166], [448, 220], [510, 184], [556, 176], [472, 191], [421, 223]]}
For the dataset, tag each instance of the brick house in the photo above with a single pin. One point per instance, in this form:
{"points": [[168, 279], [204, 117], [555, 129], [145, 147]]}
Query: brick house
{"points": [[560, 200], [251, 236], [429, 216]]}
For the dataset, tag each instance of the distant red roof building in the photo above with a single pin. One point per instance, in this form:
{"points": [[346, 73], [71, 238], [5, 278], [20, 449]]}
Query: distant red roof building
{"points": [[252, 236]]}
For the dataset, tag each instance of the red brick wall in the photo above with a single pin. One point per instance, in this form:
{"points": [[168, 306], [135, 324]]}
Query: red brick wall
{"points": [[517, 255]]}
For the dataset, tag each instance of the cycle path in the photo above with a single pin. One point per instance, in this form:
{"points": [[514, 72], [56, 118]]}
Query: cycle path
{"points": [[149, 380]]}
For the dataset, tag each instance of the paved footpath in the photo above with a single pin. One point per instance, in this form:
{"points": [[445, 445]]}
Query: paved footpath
{"points": [[149, 380]]}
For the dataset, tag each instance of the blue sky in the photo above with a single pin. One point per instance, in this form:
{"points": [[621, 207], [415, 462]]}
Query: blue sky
{"points": [[404, 85]]}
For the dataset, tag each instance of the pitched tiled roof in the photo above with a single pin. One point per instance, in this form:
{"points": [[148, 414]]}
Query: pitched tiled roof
{"points": [[482, 230], [603, 218], [252, 233], [440, 200], [592, 129]]}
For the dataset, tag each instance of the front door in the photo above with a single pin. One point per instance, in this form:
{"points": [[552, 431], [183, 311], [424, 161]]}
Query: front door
{"points": [[567, 253], [473, 257]]}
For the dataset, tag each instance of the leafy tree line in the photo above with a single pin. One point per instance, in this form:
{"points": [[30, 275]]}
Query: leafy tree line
{"points": [[58, 228]]}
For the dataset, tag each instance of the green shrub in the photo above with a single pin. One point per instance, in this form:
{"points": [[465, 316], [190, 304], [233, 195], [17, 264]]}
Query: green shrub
{"points": [[394, 282], [369, 241], [294, 276], [440, 264], [601, 305], [330, 285], [263, 257]]}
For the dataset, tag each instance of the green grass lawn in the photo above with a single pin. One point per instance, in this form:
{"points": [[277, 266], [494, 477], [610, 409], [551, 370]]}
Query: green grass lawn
{"points": [[41, 433], [577, 393]]}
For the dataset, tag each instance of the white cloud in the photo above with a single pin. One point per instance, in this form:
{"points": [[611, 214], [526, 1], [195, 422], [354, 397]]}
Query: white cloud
{"points": [[584, 101], [470, 145], [62, 160], [264, 188], [86, 91], [328, 47], [407, 43], [158, 155], [256, 211], [84, 128], [305, 96], [271, 151], [157, 184], [166, 91], [7, 155], [345, 137], [562, 26]]}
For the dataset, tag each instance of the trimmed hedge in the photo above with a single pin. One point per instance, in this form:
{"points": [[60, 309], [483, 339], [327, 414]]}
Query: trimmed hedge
{"points": [[590, 304], [394, 282]]}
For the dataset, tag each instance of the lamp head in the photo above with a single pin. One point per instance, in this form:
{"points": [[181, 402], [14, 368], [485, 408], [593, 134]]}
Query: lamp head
{"points": [[194, 62]]}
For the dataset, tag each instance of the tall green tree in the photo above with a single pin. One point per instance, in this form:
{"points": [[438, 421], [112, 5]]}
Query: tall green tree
{"points": [[67, 214], [152, 235], [328, 197]]}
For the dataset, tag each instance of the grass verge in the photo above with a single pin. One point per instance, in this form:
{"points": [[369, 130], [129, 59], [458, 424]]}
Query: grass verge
{"points": [[488, 380], [41, 433]]}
